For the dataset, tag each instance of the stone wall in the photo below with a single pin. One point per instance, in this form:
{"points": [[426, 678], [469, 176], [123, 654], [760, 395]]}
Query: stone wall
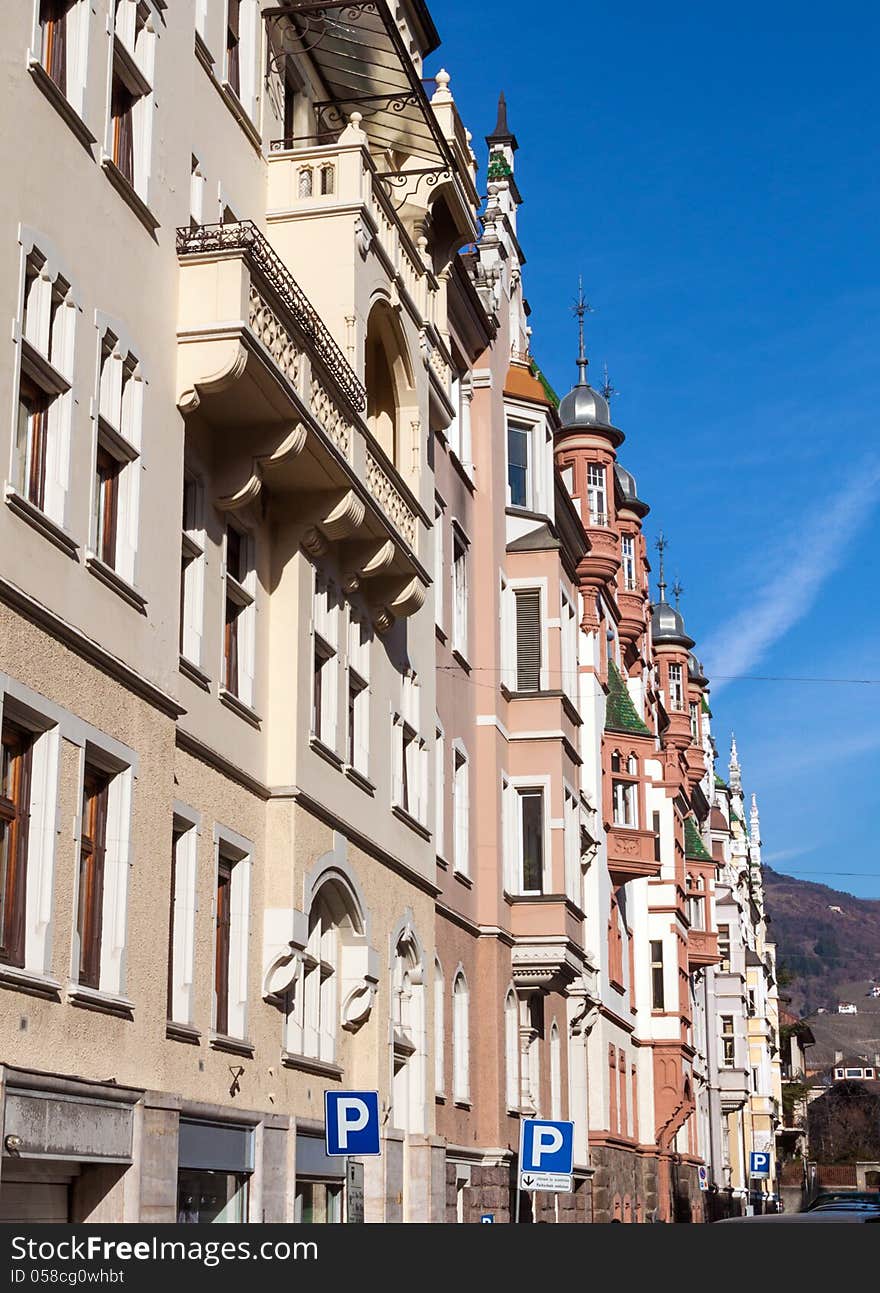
{"points": [[624, 1186]]}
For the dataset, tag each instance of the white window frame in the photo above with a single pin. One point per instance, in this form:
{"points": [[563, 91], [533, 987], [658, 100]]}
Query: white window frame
{"points": [[528, 430], [77, 51], [409, 754], [555, 1072], [243, 592], [571, 818], [17, 706], [239, 851], [439, 1030], [568, 635], [183, 932], [597, 493], [440, 791], [117, 867], [194, 541], [46, 352], [512, 1051], [460, 587], [324, 641], [135, 55], [625, 803], [628, 562], [118, 413], [519, 591], [727, 1035], [521, 786], [676, 687], [461, 1085], [248, 93], [439, 566], [360, 638], [461, 808]]}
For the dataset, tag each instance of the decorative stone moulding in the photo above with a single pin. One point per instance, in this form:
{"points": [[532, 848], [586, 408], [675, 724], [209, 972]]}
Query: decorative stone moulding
{"points": [[241, 490], [702, 948], [390, 499], [633, 615], [543, 965], [631, 855]]}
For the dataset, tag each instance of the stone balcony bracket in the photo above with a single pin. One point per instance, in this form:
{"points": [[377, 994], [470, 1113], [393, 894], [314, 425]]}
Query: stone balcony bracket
{"points": [[631, 854]]}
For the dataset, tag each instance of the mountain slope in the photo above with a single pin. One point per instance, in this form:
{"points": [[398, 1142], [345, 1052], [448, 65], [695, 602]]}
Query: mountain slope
{"points": [[822, 949]]}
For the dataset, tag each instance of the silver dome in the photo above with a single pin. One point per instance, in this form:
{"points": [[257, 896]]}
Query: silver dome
{"points": [[627, 482], [667, 626], [584, 407], [696, 672]]}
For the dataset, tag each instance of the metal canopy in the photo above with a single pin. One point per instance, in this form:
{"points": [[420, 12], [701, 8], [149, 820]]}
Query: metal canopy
{"points": [[360, 56]]}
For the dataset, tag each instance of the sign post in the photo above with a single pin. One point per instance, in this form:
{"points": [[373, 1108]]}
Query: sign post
{"points": [[546, 1157]]}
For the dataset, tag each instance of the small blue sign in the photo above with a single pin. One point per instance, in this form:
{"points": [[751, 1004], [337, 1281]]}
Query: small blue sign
{"points": [[488, 1219], [759, 1163], [546, 1146], [351, 1123]]}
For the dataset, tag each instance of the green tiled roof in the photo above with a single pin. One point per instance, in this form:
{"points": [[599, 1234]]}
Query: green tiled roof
{"points": [[621, 714], [693, 846], [720, 782], [706, 709], [548, 389]]}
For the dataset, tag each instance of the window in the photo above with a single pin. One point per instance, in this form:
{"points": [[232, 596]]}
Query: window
{"points": [[459, 593], [695, 720], [519, 454], [461, 810], [528, 639], [728, 1042], [695, 902], [615, 944], [531, 840], [239, 624], [460, 1040], [358, 714], [15, 802], [289, 108], [596, 493], [855, 1073], [569, 648], [196, 194], [192, 571], [676, 692], [438, 566], [181, 922], [658, 995], [655, 827], [131, 98], [624, 790], [317, 1202], [104, 864], [90, 907], [44, 402], [233, 40], [511, 1050], [231, 925], [439, 1030], [212, 1197], [628, 562], [724, 948], [439, 793], [459, 431], [116, 487], [61, 46], [555, 1073], [410, 754], [571, 844]]}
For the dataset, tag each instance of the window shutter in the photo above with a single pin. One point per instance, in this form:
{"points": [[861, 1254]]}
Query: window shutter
{"points": [[127, 521], [239, 917], [247, 638], [362, 732], [528, 639], [58, 458], [194, 609], [397, 759]]}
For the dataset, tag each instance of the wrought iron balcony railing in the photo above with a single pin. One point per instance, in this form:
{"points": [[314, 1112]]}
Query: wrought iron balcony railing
{"points": [[244, 236]]}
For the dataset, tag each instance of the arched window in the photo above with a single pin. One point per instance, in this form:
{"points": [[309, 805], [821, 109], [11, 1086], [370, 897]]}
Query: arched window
{"points": [[511, 1050], [305, 181], [408, 1030], [330, 987], [392, 406], [461, 1088], [555, 1072], [328, 176], [439, 1030]]}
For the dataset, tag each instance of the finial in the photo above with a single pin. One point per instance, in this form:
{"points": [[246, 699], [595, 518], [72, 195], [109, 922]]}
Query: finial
{"points": [[733, 754], [661, 544], [442, 94], [607, 388], [580, 308], [677, 590], [502, 134]]}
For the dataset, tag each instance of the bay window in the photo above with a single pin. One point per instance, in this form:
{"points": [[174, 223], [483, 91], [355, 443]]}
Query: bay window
{"points": [[628, 562], [596, 493], [676, 690]]}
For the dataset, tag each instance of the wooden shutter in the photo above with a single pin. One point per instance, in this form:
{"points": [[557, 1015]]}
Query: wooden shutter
{"points": [[528, 639]]}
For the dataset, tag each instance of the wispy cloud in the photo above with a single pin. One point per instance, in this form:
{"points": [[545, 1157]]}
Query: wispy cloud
{"points": [[792, 587], [785, 855]]}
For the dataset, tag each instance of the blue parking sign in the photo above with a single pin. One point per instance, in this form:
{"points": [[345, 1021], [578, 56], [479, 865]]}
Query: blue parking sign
{"points": [[759, 1163], [547, 1146], [351, 1123]]}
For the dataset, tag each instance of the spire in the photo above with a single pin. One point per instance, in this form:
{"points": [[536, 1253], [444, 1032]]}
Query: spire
{"points": [[733, 766], [677, 590], [661, 544], [581, 308], [755, 822], [502, 134]]}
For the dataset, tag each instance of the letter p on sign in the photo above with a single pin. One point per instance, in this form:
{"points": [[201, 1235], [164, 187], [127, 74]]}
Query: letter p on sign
{"points": [[546, 1146], [351, 1123]]}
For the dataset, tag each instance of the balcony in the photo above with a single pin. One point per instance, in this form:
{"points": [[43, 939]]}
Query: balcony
{"points": [[702, 949], [283, 406], [631, 854], [733, 1084]]}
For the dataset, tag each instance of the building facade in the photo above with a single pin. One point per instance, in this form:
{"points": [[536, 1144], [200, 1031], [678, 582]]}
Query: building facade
{"points": [[343, 745]]}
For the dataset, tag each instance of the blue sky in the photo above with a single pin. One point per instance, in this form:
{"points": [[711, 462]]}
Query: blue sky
{"points": [[714, 177]]}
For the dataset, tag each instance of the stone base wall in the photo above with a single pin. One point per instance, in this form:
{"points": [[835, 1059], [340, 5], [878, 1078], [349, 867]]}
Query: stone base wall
{"points": [[492, 1190], [625, 1185]]}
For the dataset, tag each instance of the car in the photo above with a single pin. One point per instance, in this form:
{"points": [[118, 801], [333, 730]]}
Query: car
{"points": [[846, 1198], [830, 1215]]}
